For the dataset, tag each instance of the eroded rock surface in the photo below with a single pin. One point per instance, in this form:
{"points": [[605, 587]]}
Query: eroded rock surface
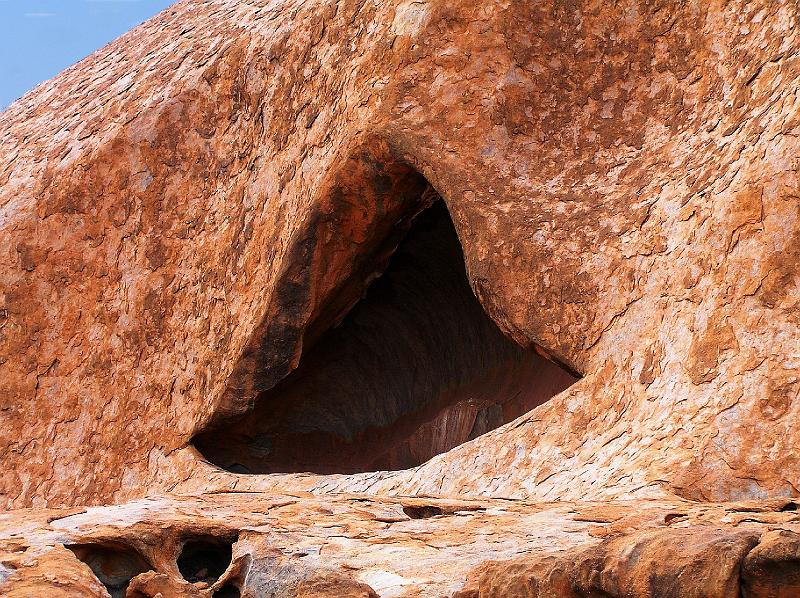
{"points": [[413, 370], [255, 545], [187, 210], [218, 290]]}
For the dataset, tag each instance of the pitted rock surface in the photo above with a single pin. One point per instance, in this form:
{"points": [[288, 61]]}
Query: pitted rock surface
{"points": [[363, 546], [212, 284], [181, 207]]}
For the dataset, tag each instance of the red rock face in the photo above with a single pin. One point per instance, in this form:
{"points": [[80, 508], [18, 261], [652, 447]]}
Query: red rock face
{"points": [[202, 223]]}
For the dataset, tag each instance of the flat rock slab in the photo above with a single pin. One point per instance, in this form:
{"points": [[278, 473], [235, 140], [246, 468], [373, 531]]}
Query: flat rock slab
{"points": [[262, 544]]}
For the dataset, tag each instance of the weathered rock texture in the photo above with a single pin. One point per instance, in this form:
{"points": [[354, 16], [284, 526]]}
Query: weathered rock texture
{"points": [[190, 207], [191, 220], [257, 545], [413, 370]]}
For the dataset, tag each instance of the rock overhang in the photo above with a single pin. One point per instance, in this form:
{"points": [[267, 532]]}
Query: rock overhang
{"points": [[407, 365], [622, 182]]}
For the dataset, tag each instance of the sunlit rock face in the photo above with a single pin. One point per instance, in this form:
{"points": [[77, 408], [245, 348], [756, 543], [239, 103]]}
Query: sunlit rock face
{"points": [[183, 235], [251, 544], [414, 369], [295, 251]]}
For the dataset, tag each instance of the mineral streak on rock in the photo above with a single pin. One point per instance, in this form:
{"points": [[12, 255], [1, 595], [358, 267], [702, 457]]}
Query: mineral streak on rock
{"points": [[508, 251]]}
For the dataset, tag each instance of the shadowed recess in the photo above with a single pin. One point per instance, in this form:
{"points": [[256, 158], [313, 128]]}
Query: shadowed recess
{"points": [[114, 565], [414, 369], [205, 559], [227, 591]]}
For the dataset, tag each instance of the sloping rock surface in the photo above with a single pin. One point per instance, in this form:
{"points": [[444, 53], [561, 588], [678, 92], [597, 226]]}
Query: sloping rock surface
{"points": [[186, 212], [275, 273]]}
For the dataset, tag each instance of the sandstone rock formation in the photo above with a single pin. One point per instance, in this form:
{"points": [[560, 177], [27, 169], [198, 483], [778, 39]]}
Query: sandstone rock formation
{"points": [[540, 251], [255, 545]]}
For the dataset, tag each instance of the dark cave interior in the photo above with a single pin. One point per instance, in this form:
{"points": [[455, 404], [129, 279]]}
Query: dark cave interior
{"points": [[414, 369]]}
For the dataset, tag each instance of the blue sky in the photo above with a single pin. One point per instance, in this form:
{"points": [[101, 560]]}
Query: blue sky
{"points": [[40, 38]]}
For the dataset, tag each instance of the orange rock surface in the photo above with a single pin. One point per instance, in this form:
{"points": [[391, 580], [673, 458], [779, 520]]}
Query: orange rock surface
{"points": [[255, 544], [504, 251]]}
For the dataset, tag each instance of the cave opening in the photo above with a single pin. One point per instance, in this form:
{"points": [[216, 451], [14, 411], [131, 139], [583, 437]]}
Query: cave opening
{"points": [[114, 565], [205, 559], [414, 369]]}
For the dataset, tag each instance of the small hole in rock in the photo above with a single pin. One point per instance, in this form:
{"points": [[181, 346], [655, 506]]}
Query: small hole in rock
{"points": [[422, 512], [205, 559], [227, 591], [114, 565], [791, 506]]}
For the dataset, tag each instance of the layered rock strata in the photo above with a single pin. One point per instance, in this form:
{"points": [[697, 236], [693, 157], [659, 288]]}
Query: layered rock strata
{"points": [[253, 545]]}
